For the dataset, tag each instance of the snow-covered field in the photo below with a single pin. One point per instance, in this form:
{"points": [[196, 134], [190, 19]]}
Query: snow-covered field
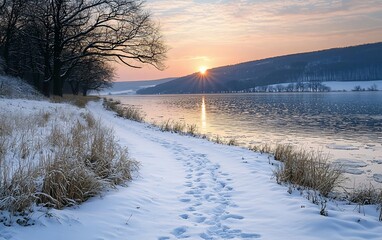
{"points": [[191, 188]]}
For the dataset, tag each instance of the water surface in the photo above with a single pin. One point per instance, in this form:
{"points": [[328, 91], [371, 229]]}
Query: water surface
{"points": [[345, 125]]}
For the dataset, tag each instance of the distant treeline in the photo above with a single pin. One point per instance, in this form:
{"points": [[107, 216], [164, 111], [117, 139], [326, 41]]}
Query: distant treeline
{"points": [[293, 87], [359, 63]]}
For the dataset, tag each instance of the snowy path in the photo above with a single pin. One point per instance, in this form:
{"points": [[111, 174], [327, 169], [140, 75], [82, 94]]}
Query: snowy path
{"points": [[203, 200], [190, 188]]}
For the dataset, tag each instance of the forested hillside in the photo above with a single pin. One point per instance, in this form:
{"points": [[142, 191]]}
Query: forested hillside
{"points": [[358, 63]]}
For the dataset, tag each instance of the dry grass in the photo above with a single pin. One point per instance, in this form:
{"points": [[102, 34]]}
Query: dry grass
{"points": [[217, 139], [17, 191], [71, 160], [77, 100], [232, 142], [307, 169], [192, 130], [178, 127], [88, 159], [127, 112], [366, 195], [262, 148]]}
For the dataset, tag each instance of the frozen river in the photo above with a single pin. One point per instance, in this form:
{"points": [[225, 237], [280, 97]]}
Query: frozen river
{"points": [[345, 125]]}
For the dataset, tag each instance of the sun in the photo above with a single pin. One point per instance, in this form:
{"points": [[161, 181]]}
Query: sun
{"points": [[202, 70]]}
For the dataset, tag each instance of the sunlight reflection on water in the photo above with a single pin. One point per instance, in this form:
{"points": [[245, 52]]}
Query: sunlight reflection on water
{"points": [[204, 115], [311, 120]]}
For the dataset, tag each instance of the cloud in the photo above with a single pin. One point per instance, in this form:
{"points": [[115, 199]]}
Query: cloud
{"points": [[223, 32], [229, 20]]}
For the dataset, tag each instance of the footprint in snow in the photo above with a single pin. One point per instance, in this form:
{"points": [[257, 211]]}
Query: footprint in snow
{"points": [[234, 216], [192, 192], [200, 219], [250, 235], [190, 209], [185, 200], [163, 238], [179, 231]]}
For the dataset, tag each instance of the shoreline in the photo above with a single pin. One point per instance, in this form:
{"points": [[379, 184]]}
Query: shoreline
{"points": [[341, 148], [189, 187]]}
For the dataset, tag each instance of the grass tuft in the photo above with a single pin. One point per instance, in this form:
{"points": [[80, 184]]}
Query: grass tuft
{"points": [[232, 142], [367, 195], [72, 159], [177, 127], [307, 169], [77, 100], [263, 148], [217, 139], [127, 112], [192, 130]]}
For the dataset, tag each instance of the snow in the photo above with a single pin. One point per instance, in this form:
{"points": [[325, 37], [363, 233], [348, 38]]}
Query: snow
{"points": [[341, 147], [378, 177], [349, 85], [344, 85], [11, 87], [191, 188]]}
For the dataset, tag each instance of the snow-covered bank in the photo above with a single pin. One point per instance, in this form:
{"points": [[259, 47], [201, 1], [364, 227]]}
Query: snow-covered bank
{"points": [[339, 86], [12, 87], [195, 189], [350, 85]]}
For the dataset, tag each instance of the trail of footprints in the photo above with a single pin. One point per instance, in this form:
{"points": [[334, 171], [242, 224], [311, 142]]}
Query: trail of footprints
{"points": [[207, 198]]}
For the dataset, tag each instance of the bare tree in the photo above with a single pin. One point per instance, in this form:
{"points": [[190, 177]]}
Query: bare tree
{"points": [[2, 4], [10, 14], [112, 30], [90, 74]]}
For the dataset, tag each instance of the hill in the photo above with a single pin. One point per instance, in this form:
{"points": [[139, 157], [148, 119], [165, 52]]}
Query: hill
{"points": [[356, 63], [130, 87], [11, 87]]}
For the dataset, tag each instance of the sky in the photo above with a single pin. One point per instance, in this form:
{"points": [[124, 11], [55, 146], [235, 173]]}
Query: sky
{"points": [[212, 33]]}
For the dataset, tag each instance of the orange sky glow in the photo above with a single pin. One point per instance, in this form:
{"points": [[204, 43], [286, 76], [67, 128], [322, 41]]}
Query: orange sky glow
{"points": [[214, 33]]}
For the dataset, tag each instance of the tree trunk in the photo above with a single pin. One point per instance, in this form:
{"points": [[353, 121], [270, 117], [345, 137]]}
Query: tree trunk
{"points": [[46, 88], [75, 87], [56, 71], [57, 50], [6, 48], [56, 78], [84, 92]]}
